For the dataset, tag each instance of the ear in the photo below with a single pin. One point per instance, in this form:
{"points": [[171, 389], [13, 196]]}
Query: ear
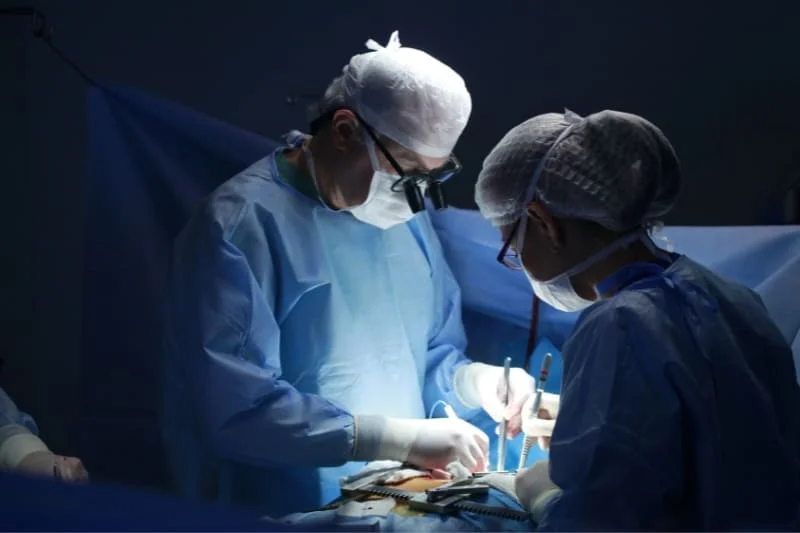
{"points": [[546, 226], [345, 130]]}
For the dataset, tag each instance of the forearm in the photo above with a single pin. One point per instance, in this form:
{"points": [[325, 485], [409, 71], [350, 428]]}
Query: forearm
{"points": [[286, 428]]}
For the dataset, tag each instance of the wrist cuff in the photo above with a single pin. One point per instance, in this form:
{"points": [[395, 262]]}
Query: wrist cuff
{"points": [[368, 432], [15, 448], [464, 385]]}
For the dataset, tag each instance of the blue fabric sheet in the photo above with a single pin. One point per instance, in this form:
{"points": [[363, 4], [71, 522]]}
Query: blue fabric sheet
{"points": [[149, 165], [32, 504], [432, 522], [150, 162]]}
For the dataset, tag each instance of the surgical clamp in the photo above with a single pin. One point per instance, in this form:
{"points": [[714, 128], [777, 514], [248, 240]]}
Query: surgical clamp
{"points": [[502, 440]]}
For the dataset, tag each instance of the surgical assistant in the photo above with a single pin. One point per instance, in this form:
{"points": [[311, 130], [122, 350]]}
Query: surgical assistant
{"points": [[678, 407], [312, 322]]}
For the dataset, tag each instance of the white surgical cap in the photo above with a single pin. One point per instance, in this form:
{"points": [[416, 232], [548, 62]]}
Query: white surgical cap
{"points": [[405, 94], [612, 168]]}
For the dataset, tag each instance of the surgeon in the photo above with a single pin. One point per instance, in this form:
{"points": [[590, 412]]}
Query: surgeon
{"points": [[23, 452], [679, 403], [312, 322]]}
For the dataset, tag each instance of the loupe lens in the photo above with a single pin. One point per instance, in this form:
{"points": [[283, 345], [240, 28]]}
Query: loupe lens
{"points": [[436, 192]]}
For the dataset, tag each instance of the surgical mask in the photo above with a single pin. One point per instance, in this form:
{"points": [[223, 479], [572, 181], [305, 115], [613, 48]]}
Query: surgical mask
{"points": [[383, 207], [559, 292]]}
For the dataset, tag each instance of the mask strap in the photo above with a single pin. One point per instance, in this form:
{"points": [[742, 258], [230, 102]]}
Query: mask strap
{"points": [[622, 242], [372, 151], [573, 120]]}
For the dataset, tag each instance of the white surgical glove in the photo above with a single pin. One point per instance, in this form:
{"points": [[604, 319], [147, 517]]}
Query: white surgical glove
{"points": [[431, 444], [48, 464], [534, 488], [542, 425], [22, 451], [478, 384]]}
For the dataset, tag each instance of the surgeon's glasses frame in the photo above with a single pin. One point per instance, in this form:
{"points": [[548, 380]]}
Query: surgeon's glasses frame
{"points": [[508, 256], [410, 182]]}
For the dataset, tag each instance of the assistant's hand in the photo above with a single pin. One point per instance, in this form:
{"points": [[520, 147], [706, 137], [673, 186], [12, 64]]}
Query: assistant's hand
{"points": [[534, 487], [48, 464], [482, 384], [542, 425]]}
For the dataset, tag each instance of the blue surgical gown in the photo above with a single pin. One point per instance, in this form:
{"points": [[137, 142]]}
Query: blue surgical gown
{"points": [[284, 320], [12, 420], [679, 410]]}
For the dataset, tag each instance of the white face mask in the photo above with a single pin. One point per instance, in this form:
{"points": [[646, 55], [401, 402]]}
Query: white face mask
{"points": [[559, 292], [383, 207]]}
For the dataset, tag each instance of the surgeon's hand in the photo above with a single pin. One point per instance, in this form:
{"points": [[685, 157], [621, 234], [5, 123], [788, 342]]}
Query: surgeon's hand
{"points": [[483, 385], [434, 443], [541, 426], [48, 464], [440, 441]]}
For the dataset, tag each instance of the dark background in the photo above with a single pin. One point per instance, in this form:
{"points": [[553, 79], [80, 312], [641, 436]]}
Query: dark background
{"points": [[722, 79]]}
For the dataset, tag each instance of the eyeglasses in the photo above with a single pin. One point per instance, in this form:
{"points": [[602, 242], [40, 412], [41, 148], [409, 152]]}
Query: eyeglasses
{"points": [[508, 256], [440, 175], [413, 184]]}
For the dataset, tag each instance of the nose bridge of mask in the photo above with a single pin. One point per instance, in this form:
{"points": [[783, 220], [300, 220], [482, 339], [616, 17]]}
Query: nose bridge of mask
{"points": [[372, 150]]}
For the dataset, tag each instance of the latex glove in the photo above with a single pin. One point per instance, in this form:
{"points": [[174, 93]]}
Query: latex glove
{"points": [[541, 426], [478, 384], [534, 488], [48, 464], [434, 443]]}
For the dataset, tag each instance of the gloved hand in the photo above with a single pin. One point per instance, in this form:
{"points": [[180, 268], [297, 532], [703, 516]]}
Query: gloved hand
{"points": [[48, 464], [542, 425], [478, 384], [429, 443], [534, 488]]}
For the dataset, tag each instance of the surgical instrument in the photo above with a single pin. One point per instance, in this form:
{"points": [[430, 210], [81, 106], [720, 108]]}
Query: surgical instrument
{"points": [[423, 501], [465, 486], [537, 402], [502, 440]]}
